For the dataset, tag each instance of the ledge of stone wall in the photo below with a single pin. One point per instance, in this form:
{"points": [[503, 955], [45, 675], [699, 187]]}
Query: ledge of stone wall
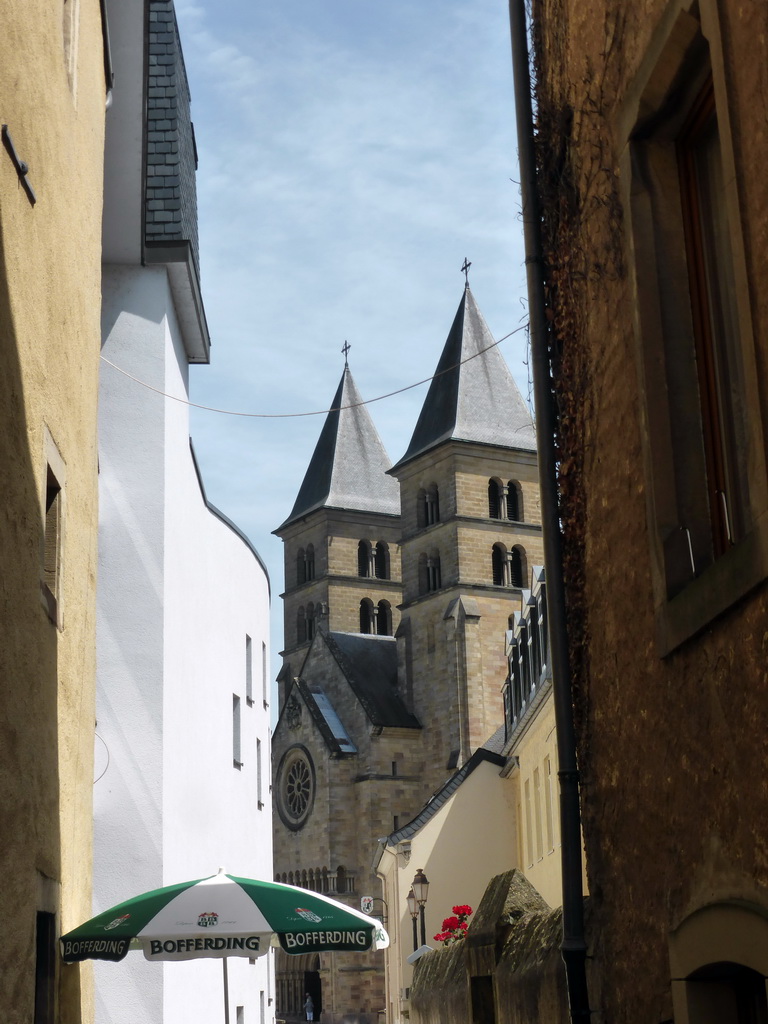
{"points": [[440, 987], [513, 946]]}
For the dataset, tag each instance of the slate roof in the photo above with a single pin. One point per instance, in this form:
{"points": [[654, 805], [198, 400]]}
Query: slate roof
{"points": [[369, 664], [490, 751], [475, 400], [348, 468], [327, 718], [171, 157]]}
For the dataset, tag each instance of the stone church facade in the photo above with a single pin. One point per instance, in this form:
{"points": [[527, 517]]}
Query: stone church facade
{"points": [[400, 583]]}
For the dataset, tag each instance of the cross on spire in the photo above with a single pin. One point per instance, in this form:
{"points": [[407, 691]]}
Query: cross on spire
{"points": [[345, 349], [465, 270]]}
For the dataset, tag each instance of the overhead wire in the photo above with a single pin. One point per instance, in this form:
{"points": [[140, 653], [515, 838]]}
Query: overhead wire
{"points": [[314, 412]]}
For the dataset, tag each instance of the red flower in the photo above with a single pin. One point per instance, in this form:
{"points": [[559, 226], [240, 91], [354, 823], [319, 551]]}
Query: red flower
{"points": [[454, 927]]}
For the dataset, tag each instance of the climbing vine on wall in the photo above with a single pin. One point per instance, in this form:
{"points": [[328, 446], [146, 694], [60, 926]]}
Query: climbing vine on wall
{"points": [[583, 246]]}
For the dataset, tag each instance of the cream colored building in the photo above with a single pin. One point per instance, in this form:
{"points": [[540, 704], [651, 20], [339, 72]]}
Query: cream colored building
{"points": [[499, 811], [531, 744], [54, 83], [652, 146], [465, 835]]}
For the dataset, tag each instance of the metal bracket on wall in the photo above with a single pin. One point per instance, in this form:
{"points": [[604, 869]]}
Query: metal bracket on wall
{"points": [[22, 169]]}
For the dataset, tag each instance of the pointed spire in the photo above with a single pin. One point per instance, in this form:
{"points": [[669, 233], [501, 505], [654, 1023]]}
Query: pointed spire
{"points": [[349, 466], [472, 399]]}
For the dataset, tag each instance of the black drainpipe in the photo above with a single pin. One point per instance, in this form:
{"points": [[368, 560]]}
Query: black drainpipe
{"points": [[574, 947]]}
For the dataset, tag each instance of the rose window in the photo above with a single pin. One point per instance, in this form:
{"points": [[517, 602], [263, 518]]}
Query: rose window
{"points": [[296, 787]]}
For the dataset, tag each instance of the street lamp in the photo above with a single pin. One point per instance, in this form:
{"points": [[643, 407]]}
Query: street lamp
{"points": [[413, 910], [420, 887]]}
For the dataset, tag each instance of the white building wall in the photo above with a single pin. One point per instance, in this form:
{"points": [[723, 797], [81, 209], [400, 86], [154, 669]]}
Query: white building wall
{"points": [[179, 591]]}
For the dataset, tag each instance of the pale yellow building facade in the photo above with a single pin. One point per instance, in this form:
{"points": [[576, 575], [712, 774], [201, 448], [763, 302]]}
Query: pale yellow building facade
{"points": [[54, 87]]}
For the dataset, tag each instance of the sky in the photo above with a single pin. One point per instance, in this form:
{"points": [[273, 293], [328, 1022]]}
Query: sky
{"points": [[352, 153]]}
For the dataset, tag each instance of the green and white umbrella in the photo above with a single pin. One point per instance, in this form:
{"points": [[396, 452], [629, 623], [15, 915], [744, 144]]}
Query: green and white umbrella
{"points": [[223, 916]]}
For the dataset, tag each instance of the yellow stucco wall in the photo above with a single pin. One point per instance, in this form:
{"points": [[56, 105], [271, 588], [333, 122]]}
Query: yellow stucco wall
{"points": [[538, 808], [468, 841], [53, 91]]}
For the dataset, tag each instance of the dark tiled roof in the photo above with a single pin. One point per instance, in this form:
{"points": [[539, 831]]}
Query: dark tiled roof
{"points": [[488, 752], [349, 466], [495, 743], [472, 399], [171, 193], [369, 664]]}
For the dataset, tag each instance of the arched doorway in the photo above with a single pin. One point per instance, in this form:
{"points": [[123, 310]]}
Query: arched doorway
{"points": [[294, 977], [313, 985]]}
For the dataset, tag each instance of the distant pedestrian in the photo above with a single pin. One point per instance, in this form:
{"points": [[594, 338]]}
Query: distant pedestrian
{"points": [[309, 1007]]}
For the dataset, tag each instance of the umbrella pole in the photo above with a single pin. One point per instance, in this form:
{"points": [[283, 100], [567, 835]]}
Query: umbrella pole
{"points": [[226, 990]]}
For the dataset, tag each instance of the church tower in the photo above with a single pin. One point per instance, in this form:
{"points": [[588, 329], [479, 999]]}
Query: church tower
{"points": [[341, 540], [400, 584], [471, 531], [346, 760]]}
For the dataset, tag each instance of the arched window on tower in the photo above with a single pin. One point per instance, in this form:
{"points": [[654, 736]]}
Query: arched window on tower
{"points": [[384, 619], [309, 561], [427, 506], [310, 621], [423, 575], [364, 558], [434, 577], [367, 616], [341, 880], [301, 567], [432, 505], [495, 498], [499, 565], [381, 561], [518, 567], [421, 509], [301, 626], [514, 501]]}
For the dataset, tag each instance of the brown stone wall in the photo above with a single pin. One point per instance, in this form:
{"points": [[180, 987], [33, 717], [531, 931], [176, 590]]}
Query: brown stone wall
{"points": [[344, 597], [336, 590], [440, 990], [436, 468], [476, 466], [349, 790], [474, 543], [465, 544], [466, 655], [344, 540], [526, 985], [674, 799]]}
